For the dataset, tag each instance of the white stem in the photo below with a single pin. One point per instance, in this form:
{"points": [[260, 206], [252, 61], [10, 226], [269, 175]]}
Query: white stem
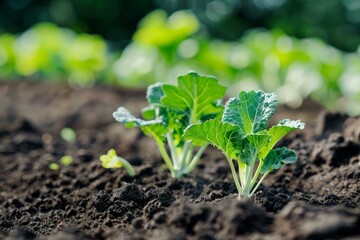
{"points": [[174, 155], [253, 181], [184, 153], [189, 156], [165, 155], [196, 158], [258, 184], [236, 179]]}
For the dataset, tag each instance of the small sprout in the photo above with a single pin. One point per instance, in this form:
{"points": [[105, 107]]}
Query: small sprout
{"points": [[68, 135], [243, 137], [54, 166], [66, 160], [111, 160]]}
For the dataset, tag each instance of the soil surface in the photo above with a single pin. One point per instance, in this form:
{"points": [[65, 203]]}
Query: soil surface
{"points": [[316, 198]]}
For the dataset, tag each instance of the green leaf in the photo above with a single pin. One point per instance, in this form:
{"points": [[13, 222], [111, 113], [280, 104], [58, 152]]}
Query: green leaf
{"points": [[279, 131], [250, 111], [155, 128], [154, 93], [148, 113], [276, 158], [122, 115], [250, 146], [224, 136], [195, 95]]}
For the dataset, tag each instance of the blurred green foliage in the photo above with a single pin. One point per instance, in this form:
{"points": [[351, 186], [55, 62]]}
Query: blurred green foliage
{"points": [[166, 46], [337, 22], [271, 60], [49, 52]]}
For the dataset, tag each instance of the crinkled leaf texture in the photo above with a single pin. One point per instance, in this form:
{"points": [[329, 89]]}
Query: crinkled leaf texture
{"points": [[222, 135], [250, 146], [250, 111], [196, 95], [279, 131], [276, 158]]}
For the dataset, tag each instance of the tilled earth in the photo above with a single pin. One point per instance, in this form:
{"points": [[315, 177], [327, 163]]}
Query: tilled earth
{"points": [[316, 198]]}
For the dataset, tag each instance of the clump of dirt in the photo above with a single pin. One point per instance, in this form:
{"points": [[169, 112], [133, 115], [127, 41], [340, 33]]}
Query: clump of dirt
{"points": [[316, 198]]}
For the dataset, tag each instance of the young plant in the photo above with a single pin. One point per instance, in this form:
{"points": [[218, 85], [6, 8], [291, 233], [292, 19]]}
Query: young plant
{"points": [[171, 110], [243, 137], [112, 160]]}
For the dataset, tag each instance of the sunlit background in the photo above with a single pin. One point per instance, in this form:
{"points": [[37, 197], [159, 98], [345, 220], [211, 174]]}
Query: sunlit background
{"points": [[297, 48]]}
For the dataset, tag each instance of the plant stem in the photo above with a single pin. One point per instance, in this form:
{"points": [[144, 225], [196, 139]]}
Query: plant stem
{"points": [[130, 169], [173, 152], [187, 146], [253, 181], [196, 158], [233, 172], [258, 184], [189, 156], [249, 172], [165, 155], [242, 173]]}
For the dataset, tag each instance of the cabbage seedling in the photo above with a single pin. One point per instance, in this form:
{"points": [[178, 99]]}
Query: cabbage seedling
{"points": [[171, 109], [243, 137]]}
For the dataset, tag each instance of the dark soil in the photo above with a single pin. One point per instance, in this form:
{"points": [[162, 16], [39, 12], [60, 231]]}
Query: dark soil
{"points": [[316, 198]]}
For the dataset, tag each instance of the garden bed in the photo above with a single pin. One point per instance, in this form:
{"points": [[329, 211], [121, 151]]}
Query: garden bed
{"points": [[316, 198]]}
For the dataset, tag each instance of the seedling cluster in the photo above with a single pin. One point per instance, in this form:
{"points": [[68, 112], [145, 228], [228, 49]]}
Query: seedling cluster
{"points": [[191, 114]]}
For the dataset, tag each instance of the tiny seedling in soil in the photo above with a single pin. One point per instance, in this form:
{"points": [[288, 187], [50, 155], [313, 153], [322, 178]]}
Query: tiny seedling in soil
{"points": [[68, 134], [111, 160], [171, 110], [64, 161], [243, 137]]}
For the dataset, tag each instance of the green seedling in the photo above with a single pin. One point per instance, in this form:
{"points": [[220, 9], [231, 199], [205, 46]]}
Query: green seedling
{"points": [[64, 161], [171, 110], [243, 137], [111, 160], [54, 166], [68, 134]]}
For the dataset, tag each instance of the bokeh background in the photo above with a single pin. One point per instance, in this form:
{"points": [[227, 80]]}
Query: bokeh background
{"points": [[300, 49]]}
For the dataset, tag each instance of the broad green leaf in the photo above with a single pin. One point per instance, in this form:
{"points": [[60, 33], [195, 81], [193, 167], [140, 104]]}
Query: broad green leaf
{"points": [[224, 136], [154, 93], [195, 95], [279, 131], [250, 146], [276, 158], [250, 111], [122, 115]]}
